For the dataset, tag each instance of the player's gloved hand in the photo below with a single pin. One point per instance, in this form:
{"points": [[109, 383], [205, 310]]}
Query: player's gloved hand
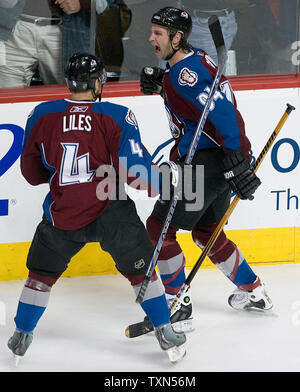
{"points": [[151, 80], [170, 178], [242, 180]]}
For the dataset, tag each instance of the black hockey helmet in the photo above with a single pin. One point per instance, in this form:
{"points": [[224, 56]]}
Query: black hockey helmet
{"points": [[82, 70], [175, 20]]}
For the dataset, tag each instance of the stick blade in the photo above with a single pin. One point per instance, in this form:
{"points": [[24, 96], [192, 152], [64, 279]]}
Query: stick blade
{"points": [[138, 329], [216, 31]]}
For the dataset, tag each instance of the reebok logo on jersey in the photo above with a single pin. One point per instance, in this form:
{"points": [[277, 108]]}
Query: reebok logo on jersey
{"points": [[199, 53], [130, 118], [187, 77], [79, 109]]}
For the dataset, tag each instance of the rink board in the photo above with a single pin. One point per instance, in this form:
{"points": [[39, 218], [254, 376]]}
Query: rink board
{"points": [[265, 229], [259, 246]]}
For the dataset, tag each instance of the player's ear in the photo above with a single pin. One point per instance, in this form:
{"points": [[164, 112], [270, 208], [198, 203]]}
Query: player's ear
{"points": [[98, 86], [176, 39]]}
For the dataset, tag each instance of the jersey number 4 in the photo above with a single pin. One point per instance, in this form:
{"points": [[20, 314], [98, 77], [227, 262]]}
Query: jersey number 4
{"points": [[73, 169], [135, 148]]}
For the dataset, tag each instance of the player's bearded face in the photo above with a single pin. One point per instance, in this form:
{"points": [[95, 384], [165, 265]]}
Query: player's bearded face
{"points": [[160, 40]]}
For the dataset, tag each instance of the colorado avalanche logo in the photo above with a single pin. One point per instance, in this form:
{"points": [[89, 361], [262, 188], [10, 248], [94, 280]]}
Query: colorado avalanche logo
{"points": [[93, 63], [174, 124], [187, 77], [130, 118]]}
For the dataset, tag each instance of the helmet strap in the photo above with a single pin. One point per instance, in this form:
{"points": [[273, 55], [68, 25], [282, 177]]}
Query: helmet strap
{"points": [[171, 36], [95, 95], [172, 54]]}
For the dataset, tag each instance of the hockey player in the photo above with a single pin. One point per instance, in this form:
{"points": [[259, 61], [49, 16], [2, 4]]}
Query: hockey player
{"points": [[223, 150], [73, 144]]}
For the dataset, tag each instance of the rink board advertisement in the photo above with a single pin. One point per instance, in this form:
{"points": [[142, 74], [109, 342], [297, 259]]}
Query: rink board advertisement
{"points": [[266, 229]]}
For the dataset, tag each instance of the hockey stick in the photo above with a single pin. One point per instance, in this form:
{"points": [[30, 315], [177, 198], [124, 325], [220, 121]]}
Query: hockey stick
{"points": [[144, 327], [216, 32]]}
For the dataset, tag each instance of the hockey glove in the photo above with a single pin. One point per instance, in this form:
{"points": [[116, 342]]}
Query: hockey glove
{"points": [[151, 80], [242, 180], [171, 176]]}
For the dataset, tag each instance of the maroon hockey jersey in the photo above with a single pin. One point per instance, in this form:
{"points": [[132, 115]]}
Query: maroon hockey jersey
{"points": [[83, 149]]}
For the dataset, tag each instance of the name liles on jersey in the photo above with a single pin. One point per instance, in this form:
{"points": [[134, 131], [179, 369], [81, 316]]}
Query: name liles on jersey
{"points": [[77, 122]]}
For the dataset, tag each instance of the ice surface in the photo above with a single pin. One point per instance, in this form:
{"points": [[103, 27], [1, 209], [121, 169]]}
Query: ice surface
{"points": [[83, 327]]}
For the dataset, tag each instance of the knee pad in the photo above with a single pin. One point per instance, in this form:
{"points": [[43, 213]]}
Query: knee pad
{"points": [[170, 247], [154, 227], [40, 282], [222, 247], [136, 280]]}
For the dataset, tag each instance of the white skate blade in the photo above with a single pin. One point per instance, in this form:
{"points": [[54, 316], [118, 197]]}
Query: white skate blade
{"points": [[176, 353], [16, 360], [264, 312], [184, 325], [257, 311]]}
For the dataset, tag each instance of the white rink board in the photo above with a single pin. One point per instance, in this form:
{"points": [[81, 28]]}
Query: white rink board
{"points": [[276, 202]]}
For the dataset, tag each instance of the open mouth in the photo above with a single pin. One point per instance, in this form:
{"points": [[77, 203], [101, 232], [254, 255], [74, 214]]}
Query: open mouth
{"points": [[157, 49]]}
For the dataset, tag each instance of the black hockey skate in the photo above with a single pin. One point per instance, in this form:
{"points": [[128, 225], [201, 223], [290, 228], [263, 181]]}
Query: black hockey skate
{"points": [[19, 344], [181, 320], [171, 341]]}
